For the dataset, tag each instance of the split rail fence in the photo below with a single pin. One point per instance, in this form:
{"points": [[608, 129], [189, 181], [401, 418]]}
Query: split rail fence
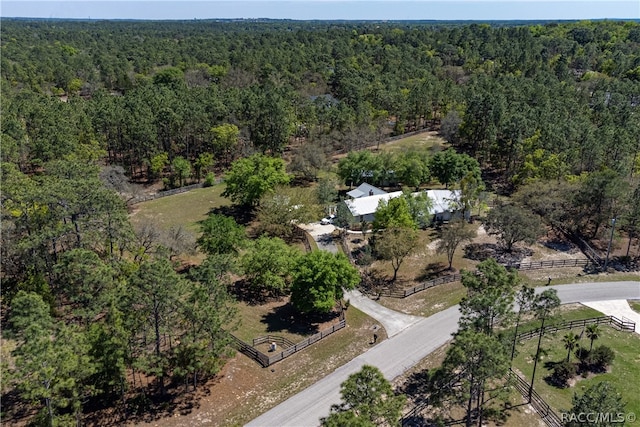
{"points": [[290, 348], [621, 325], [534, 265]]}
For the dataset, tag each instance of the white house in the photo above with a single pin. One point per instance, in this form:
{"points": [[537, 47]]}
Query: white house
{"points": [[444, 204]]}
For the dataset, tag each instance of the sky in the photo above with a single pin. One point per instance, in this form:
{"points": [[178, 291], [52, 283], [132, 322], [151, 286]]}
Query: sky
{"points": [[325, 9]]}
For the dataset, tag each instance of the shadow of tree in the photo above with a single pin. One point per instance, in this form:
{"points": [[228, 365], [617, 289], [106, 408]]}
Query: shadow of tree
{"points": [[287, 318], [243, 291], [243, 215], [433, 270], [483, 251], [146, 404]]}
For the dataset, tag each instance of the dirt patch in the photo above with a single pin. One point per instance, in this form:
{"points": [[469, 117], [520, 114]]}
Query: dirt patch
{"points": [[244, 390]]}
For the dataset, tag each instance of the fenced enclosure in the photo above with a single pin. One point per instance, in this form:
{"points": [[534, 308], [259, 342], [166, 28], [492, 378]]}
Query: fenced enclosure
{"points": [[290, 348]]}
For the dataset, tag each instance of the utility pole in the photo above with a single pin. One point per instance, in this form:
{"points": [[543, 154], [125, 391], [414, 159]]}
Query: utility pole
{"points": [[535, 362], [613, 227]]}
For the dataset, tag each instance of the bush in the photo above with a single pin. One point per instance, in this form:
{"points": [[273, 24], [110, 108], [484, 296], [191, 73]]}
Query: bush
{"points": [[562, 373], [209, 180], [363, 256], [600, 358]]}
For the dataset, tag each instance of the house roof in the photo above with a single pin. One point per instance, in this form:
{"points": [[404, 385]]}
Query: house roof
{"points": [[363, 190], [442, 200], [368, 204]]}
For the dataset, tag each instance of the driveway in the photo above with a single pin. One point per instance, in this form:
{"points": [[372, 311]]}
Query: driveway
{"points": [[322, 235], [392, 321], [405, 349], [617, 308]]}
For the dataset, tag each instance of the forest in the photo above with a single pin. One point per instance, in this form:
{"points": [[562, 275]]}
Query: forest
{"points": [[92, 110]]}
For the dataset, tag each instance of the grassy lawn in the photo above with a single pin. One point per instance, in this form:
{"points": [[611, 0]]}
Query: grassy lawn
{"points": [[635, 306], [624, 373], [565, 313], [278, 318], [421, 141], [184, 209], [427, 302]]}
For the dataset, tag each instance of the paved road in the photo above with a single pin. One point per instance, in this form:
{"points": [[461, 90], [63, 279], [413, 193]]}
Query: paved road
{"points": [[399, 353]]}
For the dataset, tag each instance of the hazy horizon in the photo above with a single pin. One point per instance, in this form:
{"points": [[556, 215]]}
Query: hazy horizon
{"points": [[304, 10]]}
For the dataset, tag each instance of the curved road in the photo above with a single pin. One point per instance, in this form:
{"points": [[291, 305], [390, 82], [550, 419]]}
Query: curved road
{"points": [[405, 349]]}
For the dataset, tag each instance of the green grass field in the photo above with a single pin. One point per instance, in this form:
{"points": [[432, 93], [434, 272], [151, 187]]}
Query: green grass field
{"points": [[624, 373], [184, 209], [421, 141], [635, 306]]}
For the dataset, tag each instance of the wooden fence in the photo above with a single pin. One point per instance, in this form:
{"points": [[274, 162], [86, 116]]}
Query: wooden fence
{"points": [[160, 194], [534, 265], [166, 193], [281, 341], [552, 263], [413, 418], [248, 350], [621, 325], [537, 402], [266, 360]]}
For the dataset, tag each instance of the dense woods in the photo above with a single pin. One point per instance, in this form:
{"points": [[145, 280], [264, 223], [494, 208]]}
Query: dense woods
{"points": [[548, 112]]}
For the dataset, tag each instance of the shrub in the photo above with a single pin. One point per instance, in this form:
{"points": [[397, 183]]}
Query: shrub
{"points": [[600, 358], [209, 180], [562, 373], [364, 256]]}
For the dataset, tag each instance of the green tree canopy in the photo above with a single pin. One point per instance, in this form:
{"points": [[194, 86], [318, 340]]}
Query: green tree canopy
{"points": [[395, 244], [449, 167], [479, 358], [52, 361], [419, 205], [221, 235], [393, 213], [252, 177], [601, 398], [268, 264], [281, 209], [319, 278], [454, 234], [368, 399], [358, 167], [513, 224], [490, 297]]}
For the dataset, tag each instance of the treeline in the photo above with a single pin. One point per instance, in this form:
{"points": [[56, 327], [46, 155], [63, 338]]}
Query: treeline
{"points": [[515, 97]]}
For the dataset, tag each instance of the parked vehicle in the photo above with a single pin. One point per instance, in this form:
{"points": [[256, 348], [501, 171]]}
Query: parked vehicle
{"points": [[327, 220]]}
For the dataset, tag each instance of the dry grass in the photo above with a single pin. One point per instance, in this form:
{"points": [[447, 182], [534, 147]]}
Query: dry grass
{"points": [[244, 390], [423, 141]]}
